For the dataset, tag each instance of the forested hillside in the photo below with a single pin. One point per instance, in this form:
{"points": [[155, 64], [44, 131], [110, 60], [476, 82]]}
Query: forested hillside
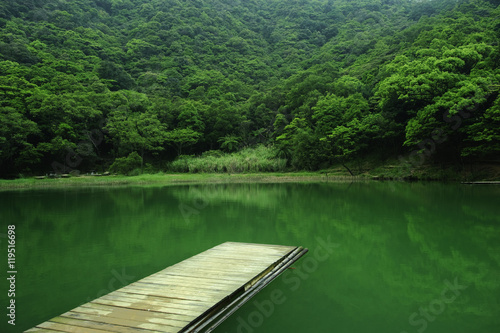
{"points": [[84, 82]]}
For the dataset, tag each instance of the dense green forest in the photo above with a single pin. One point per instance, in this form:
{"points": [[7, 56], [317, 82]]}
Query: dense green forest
{"points": [[89, 84]]}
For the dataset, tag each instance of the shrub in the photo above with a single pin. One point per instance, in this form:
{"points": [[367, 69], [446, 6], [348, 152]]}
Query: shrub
{"points": [[127, 165], [135, 172]]}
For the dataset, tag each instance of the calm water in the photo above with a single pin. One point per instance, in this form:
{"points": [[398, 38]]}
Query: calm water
{"points": [[384, 257]]}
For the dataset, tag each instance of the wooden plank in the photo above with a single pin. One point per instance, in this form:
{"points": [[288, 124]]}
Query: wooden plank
{"points": [[211, 271], [145, 323], [68, 328], [222, 256], [169, 278], [220, 277], [217, 272], [190, 288], [87, 326], [225, 259], [187, 294], [158, 283], [175, 294], [150, 307], [230, 255], [165, 309], [166, 301], [126, 314], [199, 281], [172, 291], [40, 330], [131, 313], [222, 262], [188, 273]]}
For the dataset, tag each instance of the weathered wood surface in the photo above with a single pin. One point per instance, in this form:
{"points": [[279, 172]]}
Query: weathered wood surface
{"points": [[185, 297]]}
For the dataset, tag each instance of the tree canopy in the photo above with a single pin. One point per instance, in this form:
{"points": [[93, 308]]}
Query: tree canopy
{"points": [[85, 82]]}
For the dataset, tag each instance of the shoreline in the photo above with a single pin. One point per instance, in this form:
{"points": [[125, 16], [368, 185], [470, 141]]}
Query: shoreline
{"points": [[384, 173], [173, 179]]}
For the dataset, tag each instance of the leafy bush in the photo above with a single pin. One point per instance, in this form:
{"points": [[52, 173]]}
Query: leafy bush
{"points": [[127, 165]]}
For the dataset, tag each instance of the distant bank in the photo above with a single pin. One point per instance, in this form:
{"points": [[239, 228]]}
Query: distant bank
{"points": [[488, 173], [171, 179]]}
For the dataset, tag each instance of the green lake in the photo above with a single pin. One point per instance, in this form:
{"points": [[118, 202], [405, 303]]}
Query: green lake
{"points": [[384, 257]]}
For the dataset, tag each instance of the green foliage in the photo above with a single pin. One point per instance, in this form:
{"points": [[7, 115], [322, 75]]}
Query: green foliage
{"points": [[229, 143], [132, 127], [484, 136], [15, 147], [322, 80], [182, 137], [129, 165]]}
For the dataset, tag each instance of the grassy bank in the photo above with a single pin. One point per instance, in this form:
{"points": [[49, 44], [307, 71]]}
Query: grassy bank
{"points": [[261, 165], [266, 159], [337, 173], [169, 179], [161, 179]]}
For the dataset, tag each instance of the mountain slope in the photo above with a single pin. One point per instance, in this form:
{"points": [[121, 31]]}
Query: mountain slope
{"points": [[84, 82]]}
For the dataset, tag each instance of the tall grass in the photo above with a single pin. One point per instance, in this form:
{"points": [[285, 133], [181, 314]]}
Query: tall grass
{"points": [[259, 159]]}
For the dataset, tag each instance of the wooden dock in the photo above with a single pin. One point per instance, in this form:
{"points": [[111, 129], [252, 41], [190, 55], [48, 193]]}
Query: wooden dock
{"points": [[195, 295]]}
